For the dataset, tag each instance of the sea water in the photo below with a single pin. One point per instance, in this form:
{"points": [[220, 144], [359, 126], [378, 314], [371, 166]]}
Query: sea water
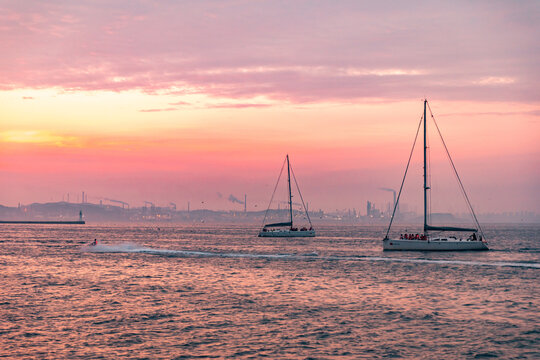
{"points": [[200, 291]]}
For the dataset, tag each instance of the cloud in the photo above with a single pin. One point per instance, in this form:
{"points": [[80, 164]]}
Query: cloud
{"points": [[180, 103], [495, 113], [295, 52], [158, 110], [237, 105], [495, 80], [221, 105]]}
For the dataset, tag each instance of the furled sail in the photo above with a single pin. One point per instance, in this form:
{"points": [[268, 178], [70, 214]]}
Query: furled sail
{"points": [[279, 224], [448, 228]]}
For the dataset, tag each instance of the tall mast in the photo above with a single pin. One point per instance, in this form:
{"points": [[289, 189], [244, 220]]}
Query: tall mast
{"points": [[289, 181], [425, 170]]}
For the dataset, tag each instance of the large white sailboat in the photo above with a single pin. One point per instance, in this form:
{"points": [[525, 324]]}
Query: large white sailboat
{"points": [[436, 238], [287, 229]]}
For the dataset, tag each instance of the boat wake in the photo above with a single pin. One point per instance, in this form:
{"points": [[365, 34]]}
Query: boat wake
{"points": [[134, 248]]}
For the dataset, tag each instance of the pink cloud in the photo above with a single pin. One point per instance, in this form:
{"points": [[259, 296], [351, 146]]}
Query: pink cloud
{"points": [[181, 103], [158, 110], [299, 53], [238, 106], [221, 105], [495, 113]]}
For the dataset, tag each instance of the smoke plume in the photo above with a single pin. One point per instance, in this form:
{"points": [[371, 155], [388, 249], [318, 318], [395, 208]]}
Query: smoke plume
{"points": [[235, 200]]}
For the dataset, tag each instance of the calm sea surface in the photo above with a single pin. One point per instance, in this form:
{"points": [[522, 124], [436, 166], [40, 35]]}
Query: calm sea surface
{"points": [[220, 292]]}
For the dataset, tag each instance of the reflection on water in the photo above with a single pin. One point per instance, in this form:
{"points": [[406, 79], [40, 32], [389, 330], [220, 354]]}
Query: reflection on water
{"points": [[182, 292]]}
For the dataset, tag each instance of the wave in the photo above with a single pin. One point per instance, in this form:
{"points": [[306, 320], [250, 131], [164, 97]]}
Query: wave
{"points": [[133, 248], [529, 250], [459, 262]]}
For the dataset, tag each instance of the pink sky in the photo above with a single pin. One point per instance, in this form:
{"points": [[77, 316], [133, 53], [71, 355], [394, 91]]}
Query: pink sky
{"points": [[193, 101]]}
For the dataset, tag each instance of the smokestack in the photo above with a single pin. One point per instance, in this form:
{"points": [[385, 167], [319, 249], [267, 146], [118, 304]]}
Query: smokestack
{"points": [[82, 202], [245, 203], [188, 207]]}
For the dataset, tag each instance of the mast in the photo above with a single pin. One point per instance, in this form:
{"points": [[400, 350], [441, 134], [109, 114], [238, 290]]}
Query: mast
{"points": [[425, 171], [289, 182]]}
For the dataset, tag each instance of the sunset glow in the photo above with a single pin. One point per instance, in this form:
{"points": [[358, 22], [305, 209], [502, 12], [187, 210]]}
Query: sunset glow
{"points": [[183, 101]]}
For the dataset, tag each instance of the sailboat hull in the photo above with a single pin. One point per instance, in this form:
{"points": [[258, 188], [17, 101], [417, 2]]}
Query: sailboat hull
{"points": [[287, 229], [434, 245], [434, 242], [287, 233]]}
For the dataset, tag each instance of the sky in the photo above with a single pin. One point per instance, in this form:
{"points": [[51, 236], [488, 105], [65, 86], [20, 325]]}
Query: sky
{"points": [[177, 101]]}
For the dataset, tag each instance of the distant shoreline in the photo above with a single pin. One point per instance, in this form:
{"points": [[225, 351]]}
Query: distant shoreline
{"points": [[77, 222]]}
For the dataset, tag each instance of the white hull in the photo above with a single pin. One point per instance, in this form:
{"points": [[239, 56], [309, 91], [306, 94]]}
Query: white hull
{"points": [[434, 245], [438, 242], [287, 233]]}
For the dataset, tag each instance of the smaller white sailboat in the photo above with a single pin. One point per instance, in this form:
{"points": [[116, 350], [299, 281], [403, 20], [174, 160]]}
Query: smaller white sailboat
{"points": [[287, 228], [433, 237]]}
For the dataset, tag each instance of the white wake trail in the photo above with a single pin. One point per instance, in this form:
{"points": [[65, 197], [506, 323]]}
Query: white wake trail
{"points": [[134, 248]]}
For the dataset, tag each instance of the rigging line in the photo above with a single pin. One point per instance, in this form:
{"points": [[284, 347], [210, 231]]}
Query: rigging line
{"points": [[301, 198], [275, 188], [404, 176], [457, 175]]}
